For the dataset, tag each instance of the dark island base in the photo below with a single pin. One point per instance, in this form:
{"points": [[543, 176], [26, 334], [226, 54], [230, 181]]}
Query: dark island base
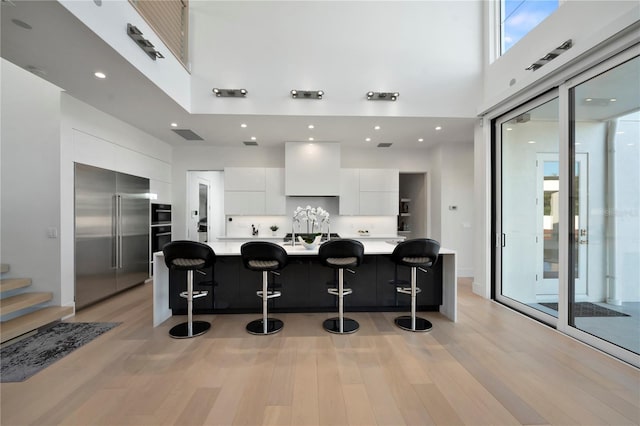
{"points": [[303, 283]]}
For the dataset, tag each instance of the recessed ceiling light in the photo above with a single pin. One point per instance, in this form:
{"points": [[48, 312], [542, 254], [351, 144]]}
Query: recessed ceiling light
{"points": [[311, 126], [367, 139], [509, 129], [243, 125], [578, 143], [588, 100], [253, 138], [100, 75], [376, 127], [438, 127], [630, 144], [420, 140], [531, 142], [174, 124], [310, 139], [619, 132], [613, 100]]}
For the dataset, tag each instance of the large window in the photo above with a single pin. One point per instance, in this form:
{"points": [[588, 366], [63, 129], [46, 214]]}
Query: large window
{"points": [[518, 17]]}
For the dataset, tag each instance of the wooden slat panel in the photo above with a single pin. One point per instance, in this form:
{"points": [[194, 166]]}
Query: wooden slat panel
{"points": [[166, 19]]}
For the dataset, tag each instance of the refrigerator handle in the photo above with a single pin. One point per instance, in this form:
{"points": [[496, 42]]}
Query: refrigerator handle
{"points": [[114, 232], [119, 235]]}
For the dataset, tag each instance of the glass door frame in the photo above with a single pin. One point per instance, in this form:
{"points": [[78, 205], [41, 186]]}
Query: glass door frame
{"points": [[568, 147], [497, 202], [566, 80]]}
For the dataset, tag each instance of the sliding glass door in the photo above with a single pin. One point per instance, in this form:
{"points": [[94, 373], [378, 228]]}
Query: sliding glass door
{"points": [[604, 297], [567, 207], [528, 208]]}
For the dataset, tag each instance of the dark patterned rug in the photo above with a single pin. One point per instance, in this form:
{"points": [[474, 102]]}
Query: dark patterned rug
{"points": [[25, 358], [588, 309]]}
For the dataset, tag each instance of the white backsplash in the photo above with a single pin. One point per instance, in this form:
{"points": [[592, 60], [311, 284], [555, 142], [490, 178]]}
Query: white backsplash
{"points": [[240, 226]]}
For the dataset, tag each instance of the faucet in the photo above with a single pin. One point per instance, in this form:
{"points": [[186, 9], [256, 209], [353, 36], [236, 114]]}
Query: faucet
{"points": [[254, 230]]}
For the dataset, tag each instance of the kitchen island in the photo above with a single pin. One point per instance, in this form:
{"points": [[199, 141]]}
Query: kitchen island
{"points": [[304, 284]]}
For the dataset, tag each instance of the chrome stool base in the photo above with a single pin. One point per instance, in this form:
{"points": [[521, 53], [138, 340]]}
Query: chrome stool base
{"points": [[332, 325], [404, 322], [273, 326], [181, 331]]}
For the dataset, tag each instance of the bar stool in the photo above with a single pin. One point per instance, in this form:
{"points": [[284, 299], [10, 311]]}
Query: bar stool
{"points": [[265, 257], [340, 255], [189, 256], [419, 253]]}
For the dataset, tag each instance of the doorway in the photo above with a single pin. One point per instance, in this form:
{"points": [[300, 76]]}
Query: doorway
{"points": [[205, 201], [412, 212]]}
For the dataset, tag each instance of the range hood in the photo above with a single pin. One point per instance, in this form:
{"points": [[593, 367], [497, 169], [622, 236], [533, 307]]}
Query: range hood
{"points": [[312, 169]]}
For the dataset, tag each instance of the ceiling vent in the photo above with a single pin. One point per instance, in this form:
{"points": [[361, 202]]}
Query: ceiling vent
{"points": [[250, 143], [188, 134], [384, 144]]}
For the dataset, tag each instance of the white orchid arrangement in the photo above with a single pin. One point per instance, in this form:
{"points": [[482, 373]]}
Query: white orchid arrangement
{"points": [[313, 216]]}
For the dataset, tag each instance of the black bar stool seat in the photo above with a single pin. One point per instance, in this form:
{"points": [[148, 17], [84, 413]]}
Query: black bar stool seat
{"points": [[264, 257], [339, 255], [189, 256], [418, 254]]}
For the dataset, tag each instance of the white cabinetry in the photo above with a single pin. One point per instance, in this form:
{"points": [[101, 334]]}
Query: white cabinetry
{"points": [[349, 192], [254, 191], [275, 201], [369, 192]]}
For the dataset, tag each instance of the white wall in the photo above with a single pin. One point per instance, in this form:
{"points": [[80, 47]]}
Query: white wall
{"points": [[457, 204], [90, 136], [30, 156]]}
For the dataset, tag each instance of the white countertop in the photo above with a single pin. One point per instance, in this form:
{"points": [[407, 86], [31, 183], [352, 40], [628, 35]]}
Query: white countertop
{"points": [[371, 247]]}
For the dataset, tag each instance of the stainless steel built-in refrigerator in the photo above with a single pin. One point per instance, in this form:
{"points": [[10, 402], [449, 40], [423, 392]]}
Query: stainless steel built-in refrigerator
{"points": [[111, 232]]}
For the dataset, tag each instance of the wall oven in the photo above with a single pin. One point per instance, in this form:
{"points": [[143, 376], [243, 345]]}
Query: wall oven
{"points": [[160, 226]]}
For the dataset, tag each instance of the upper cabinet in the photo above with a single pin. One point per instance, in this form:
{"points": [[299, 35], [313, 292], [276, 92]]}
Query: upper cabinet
{"points": [[254, 191], [369, 192], [312, 169], [244, 178]]}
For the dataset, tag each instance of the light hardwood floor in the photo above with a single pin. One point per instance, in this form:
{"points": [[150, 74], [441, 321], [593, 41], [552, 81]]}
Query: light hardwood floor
{"points": [[493, 367]]}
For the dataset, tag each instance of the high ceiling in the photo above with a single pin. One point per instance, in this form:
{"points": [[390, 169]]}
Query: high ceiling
{"points": [[429, 51]]}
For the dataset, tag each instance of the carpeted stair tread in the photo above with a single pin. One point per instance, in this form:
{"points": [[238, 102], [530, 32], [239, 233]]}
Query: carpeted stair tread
{"points": [[31, 321], [24, 300], [7, 284], [4, 268]]}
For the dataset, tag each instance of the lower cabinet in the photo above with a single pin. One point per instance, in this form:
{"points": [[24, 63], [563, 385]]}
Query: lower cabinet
{"points": [[304, 283]]}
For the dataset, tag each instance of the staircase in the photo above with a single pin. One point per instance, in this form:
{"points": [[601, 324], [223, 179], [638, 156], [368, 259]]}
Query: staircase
{"points": [[31, 320]]}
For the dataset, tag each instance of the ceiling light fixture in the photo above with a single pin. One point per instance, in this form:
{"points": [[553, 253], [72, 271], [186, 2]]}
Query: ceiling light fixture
{"points": [[243, 125], [550, 56], [438, 127], [420, 140], [376, 127], [143, 43], [22, 24], [100, 75], [613, 100], [367, 139], [307, 94], [382, 96], [229, 93], [174, 124], [531, 142], [253, 138], [311, 126], [311, 139]]}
